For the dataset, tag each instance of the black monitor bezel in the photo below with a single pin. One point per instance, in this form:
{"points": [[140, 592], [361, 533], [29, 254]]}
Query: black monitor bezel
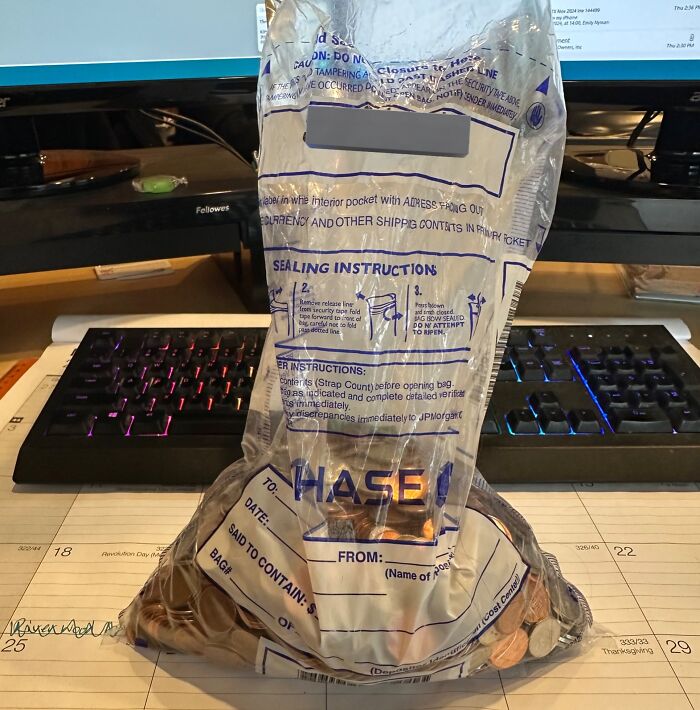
{"points": [[115, 96], [75, 98], [637, 94]]}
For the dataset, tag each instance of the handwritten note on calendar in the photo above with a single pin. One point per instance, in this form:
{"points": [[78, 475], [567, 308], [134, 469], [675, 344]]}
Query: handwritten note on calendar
{"points": [[72, 557]]}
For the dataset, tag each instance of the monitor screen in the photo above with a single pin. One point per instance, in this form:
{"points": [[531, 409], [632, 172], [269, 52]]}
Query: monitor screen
{"points": [[619, 40], [98, 41]]}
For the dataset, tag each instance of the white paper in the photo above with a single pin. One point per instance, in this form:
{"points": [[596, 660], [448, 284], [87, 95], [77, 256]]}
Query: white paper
{"points": [[72, 557]]}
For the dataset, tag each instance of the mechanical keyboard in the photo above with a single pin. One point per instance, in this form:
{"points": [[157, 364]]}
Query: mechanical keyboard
{"points": [[579, 403]]}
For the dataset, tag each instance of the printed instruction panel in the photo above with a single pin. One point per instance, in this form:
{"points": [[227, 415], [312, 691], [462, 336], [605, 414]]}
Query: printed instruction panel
{"points": [[599, 30], [72, 558]]}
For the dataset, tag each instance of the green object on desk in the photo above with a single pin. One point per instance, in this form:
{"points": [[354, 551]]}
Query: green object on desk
{"points": [[158, 184]]}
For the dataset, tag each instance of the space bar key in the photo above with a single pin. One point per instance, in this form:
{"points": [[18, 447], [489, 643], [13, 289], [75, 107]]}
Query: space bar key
{"points": [[188, 423]]}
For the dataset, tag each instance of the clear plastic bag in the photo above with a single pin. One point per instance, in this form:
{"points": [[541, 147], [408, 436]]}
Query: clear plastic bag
{"points": [[356, 540]]}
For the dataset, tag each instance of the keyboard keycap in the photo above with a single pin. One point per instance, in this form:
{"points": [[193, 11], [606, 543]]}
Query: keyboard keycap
{"points": [[631, 383], [96, 368], [642, 399], [666, 353], [593, 366], [558, 369], [69, 422], [584, 421], [490, 425], [614, 399], [149, 423], [621, 366], [672, 398], [602, 383], [206, 339], [522, 421], [91, 382], [106, 339], [554, 421], [518, 336], [159, 340], [660, 383], [230, 339], [506, 372], [639, 352], [649, 420], [206, 423], [109, 424], [90, 399], [685, 421], [530, 369], [585, 351], [543, 400], [538, 336]]}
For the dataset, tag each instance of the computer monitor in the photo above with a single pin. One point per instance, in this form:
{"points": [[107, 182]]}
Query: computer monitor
{"points": [[99, 54], [644, 55]]}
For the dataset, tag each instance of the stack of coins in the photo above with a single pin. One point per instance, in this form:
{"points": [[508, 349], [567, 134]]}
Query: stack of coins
{"points": [[181, 609]]}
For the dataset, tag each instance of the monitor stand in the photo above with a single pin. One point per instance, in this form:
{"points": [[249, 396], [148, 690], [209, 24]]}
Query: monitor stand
{"points": [[671, 168], [26, 170]]}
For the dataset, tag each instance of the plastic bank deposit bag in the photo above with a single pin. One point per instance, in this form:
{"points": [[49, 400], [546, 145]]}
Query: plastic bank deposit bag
{"points": [[410, 155]]}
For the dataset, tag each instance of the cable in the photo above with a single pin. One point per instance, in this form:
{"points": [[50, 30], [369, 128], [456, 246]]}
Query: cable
{"points": [[648, 117], [176, 120]]}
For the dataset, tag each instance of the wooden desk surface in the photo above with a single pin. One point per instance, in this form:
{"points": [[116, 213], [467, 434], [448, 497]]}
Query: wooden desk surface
{"points": [[30, 303]]}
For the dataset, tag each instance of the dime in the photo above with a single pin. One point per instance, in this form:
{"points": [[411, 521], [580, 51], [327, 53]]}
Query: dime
{"points": [[490, 636], [509, 650], [344, 521], [512, 616], [540, 605], [544, 637], [477, 658], [411, 538], [565, 607]]}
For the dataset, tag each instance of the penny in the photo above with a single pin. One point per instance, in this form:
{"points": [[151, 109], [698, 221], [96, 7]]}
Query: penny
{"points": [[428, 530], [151, 620], [544, 637], [512, 616], [384, 533], [337, 511], [364, 529], [540, 605], [509, 651], [217, 611], [178, 587], [250, 620], [490, 636]]}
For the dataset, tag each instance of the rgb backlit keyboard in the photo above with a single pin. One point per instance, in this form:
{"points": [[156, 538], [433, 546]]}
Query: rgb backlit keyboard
{"points": [[576, 403]]}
